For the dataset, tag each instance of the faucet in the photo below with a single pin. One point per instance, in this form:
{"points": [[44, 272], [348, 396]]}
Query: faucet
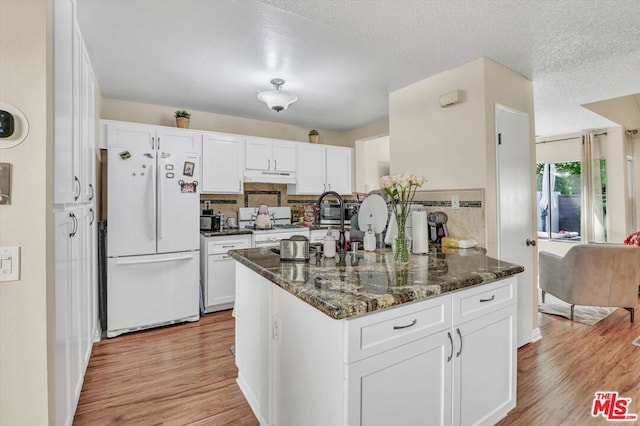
{"points": [[341, 238]]}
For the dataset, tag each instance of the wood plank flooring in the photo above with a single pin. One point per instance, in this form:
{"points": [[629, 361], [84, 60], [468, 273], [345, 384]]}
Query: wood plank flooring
{"points": [[185, 375]]}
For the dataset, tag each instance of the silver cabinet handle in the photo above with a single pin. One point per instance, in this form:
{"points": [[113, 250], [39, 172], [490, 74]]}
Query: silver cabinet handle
{"points": [[268, 164], [158, 142], [153, 144], [400, 327], [275, 164], [460, 336], [226, 256], [78, 187], [93, 192], [489, 299], [450, 341], [227, 246], [93, 216]]}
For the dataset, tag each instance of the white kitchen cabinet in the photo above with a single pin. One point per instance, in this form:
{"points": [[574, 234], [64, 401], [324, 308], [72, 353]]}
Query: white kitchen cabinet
{"points": [[222, 163], [217, 270], [447, 360], [270, 154], [339, 169], [323, 168]]}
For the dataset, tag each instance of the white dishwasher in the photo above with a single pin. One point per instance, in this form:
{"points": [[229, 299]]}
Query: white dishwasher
{"points": [[218, 271]]}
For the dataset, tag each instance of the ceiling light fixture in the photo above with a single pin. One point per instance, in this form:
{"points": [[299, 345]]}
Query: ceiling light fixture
{"points": [[276, 99]]}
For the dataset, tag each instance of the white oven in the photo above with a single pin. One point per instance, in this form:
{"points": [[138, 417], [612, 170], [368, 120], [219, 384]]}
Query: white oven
{"points": [[281, 229]]}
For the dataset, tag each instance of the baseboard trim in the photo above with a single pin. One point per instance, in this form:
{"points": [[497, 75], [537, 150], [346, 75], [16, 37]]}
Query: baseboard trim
{"points": [[536, 335]]}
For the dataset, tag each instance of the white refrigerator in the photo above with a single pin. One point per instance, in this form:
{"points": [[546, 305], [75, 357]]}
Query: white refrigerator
{"points": [[152, 226]]}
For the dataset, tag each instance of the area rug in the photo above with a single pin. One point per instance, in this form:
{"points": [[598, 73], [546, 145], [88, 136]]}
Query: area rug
{"points": [[583, 314]]}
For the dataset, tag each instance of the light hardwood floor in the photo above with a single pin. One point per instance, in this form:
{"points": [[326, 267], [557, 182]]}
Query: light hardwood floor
{"points": [[185, 375]]}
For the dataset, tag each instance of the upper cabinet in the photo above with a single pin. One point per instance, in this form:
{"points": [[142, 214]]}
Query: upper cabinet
{"points": [[222, 163], [323, 168], [74, 100], [270, 154]]}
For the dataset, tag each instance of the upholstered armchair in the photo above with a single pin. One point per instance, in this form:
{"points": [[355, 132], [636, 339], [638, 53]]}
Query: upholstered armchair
{"points": [[593, 275]]}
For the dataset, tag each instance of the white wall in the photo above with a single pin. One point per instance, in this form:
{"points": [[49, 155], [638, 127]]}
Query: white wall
{"points": [[27, 222], [372, 162], [115, 109], [446, 145]]}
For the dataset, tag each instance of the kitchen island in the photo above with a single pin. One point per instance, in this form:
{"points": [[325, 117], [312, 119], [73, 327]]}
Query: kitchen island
{"points": [[353, 340]]}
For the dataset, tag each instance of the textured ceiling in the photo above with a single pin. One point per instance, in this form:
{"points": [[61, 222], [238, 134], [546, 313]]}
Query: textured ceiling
{"points": [[342, 58]]}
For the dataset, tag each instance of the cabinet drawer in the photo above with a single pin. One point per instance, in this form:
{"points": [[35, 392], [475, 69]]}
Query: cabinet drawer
{"points": [[384, 330], [475, 302], [224, 245]]}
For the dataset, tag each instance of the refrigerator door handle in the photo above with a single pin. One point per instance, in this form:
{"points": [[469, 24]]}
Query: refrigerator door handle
{"points": [[160, 201], [152, 219], [143, 261]]}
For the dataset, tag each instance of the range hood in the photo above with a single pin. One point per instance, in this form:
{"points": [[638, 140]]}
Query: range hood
{"points": [[262, 176]]}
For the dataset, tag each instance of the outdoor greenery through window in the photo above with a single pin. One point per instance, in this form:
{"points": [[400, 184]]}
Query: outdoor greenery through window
{"points": [[559, 207]]}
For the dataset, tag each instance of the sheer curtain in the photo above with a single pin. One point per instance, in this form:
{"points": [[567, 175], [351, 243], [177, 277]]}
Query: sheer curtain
{"points": [[593, 221]]}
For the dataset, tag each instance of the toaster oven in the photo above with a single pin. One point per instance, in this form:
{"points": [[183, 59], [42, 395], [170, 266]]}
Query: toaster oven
{"points": [[210, 223]]}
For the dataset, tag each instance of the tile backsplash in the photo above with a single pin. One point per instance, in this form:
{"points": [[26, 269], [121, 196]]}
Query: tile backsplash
{"points": [[465, 222]]}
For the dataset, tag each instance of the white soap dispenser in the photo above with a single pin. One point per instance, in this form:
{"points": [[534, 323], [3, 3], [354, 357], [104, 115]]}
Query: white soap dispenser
{"points": [[369, 241], [329, 245]]}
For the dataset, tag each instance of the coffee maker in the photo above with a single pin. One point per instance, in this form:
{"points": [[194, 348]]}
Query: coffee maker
{"points": [[437, 222]]}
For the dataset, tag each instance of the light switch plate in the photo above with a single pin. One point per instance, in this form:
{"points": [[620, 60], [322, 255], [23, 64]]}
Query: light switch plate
{"points": [[10, 263], [455, 201]]}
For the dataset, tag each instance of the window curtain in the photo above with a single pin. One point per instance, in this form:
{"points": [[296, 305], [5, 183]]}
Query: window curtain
{"points": [[593, 224]]}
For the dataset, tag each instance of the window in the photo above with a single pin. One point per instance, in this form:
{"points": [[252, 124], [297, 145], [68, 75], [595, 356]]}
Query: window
{"points": [[560, 204]]}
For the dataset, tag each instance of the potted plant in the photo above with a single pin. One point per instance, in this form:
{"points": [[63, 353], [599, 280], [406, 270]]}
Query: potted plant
{"points": [[313, 136], [182, 119]]}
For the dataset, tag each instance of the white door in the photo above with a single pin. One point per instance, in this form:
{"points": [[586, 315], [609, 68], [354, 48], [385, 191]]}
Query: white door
{"points": [[131, 197], [409, 385], [178, 202], [222, 163], [515, 229], [284, 156], [311, 171], [258, 153], [339, 174]]}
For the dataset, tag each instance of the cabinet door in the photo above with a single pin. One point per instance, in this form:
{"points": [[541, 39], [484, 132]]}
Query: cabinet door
{"points": [[339, 168], [222, 163], [409, 385], [485, 368], [63, 100], [284, 156], [258, 154], [221, 279], [311, 170], [87, 117]]}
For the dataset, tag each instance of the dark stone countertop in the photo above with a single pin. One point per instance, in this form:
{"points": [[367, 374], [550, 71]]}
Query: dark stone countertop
{"points": [[226, 232], [350, 285]]}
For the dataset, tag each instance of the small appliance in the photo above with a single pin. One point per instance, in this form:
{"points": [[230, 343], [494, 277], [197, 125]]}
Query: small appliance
{"points": [[329, 213], [210, 223], [295, 248], [263, 218], [437, 226]]}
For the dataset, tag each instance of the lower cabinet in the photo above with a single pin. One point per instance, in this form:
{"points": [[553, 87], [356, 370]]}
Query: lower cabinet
{"points": [[217, 270], [448, 360]]}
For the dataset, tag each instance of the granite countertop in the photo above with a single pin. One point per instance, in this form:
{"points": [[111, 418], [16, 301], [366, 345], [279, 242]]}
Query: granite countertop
{"points": [[225, 232], [355, 284]]}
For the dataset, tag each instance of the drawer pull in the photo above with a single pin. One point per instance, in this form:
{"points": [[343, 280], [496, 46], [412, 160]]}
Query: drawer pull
{"points": [[400, 327], [488, 300], [227, 246], [226, 256], [450, 341]]}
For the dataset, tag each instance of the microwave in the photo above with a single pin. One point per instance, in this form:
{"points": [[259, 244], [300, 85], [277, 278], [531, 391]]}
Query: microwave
{"points": [[329, 213], [210, 223]]}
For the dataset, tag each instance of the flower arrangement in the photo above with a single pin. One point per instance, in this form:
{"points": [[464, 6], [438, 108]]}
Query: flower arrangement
{"points": [[401, 188]]}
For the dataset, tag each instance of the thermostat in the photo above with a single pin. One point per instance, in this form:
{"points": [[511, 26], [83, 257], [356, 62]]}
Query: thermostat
{"points": [[6, 124], [14, 126]]}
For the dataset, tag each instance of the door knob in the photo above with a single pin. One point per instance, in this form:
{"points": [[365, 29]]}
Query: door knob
{"points": [[531, 242]]}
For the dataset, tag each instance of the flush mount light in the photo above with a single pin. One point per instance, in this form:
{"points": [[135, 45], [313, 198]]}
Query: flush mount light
{"points": [[276, 99]]}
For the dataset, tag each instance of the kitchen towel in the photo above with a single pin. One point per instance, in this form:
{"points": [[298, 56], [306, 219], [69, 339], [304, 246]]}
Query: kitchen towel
{"points": [[420, 230]]}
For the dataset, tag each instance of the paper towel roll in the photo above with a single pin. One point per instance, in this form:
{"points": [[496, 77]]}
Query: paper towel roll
{"points": [[420, 232]]}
